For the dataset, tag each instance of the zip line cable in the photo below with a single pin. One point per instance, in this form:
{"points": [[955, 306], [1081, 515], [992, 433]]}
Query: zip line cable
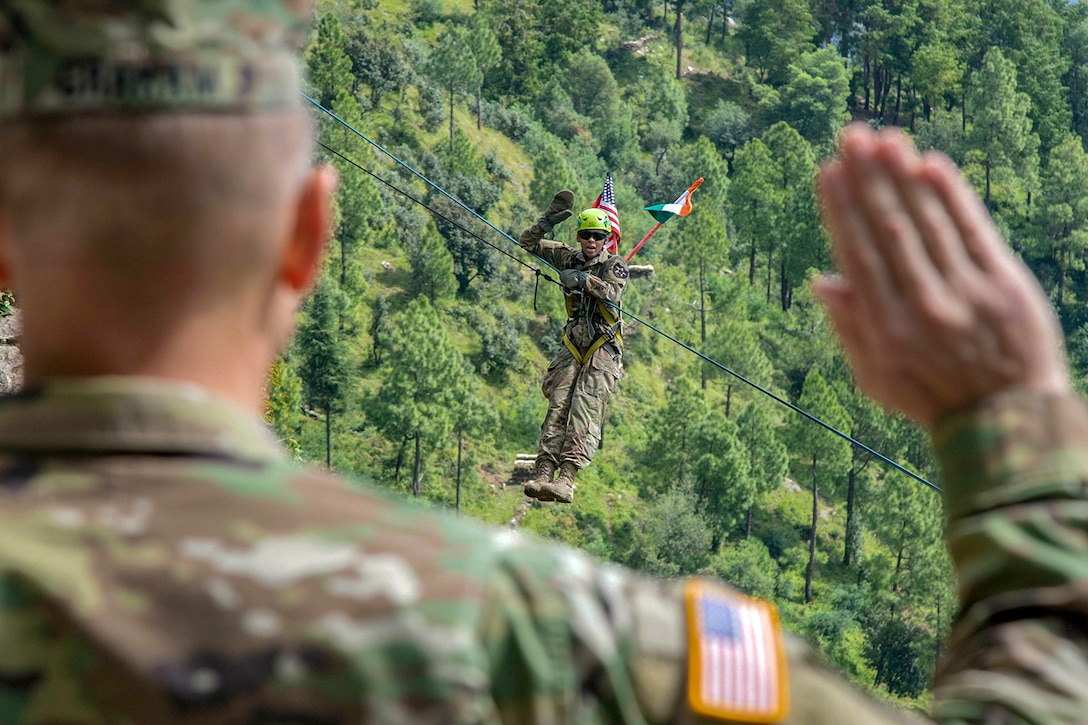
{"points": [[415, 173], [845, 436], [433, 211]]}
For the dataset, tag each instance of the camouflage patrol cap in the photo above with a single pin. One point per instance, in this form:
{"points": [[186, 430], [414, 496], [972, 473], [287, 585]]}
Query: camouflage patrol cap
{"points": [[89, 56]]}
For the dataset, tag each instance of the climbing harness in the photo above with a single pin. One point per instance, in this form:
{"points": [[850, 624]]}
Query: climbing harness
{"points": [[588, 313]]}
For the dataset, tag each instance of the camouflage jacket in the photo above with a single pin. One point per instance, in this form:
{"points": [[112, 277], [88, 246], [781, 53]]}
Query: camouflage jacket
{"points": [[607, 281], [160, 562]]}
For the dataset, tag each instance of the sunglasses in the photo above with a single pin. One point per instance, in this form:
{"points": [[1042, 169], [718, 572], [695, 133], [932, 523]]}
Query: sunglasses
{"points": [[595, 235]]}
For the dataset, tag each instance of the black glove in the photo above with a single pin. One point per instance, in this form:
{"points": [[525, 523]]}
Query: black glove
{"points": [[558, 210], [574, 278]]}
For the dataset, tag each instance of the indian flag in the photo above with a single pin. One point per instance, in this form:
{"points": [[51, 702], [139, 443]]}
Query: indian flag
{"points": [[681, 207]]}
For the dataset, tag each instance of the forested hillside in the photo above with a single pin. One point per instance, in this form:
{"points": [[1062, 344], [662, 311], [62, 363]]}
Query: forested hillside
{"points": [[419, 356]]}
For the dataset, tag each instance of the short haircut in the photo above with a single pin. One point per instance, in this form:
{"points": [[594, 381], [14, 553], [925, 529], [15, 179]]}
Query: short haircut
{"points": [[154, 202]]}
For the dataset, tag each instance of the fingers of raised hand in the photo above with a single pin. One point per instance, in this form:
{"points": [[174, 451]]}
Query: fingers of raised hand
{"points": [[882, 170], [877, 372], [921, 259], [1009, 304]]}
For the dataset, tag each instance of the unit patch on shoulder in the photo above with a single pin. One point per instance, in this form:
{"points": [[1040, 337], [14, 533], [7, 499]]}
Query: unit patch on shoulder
{"points": [[736, 656], [620, 271]]}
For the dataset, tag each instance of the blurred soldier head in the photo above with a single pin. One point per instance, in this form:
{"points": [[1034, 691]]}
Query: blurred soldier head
{"points": [[158, 212]]}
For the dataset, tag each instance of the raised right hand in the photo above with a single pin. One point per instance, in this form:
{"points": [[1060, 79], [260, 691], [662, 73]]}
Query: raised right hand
{"points": [[933, 309]]}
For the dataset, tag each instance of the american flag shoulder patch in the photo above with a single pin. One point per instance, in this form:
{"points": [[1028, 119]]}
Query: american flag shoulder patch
{"points": [[736, 656]]}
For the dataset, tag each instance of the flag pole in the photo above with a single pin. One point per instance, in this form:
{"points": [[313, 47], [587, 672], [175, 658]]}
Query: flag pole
{"points": [[638, 246]]}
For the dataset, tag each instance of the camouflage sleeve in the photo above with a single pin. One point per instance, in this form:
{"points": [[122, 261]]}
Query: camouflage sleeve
{"points": [[530, 239], [1015, 474], [612, 282], [572, 640], [554, 253]]}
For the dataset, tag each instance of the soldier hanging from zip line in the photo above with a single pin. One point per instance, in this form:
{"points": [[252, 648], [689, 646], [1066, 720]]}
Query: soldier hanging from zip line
{"points": [[584, 373]]}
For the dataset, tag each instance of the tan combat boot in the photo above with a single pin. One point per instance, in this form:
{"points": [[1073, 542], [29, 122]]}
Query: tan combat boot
{"points": [[562, 489], [544, 470]]}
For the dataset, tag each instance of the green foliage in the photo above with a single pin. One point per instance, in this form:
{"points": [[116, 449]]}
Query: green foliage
{"points": [[774, 34], [720, 473], [729, 126], [748, 566], [432, 267], [1061, 237], [694, 476], [677, 538], [425, 12], [284, 405], [813, 98], [328, 66], [551, 172], [500, 344], [323, 351], [1029, 32], [1000, 132], [423, 383]]}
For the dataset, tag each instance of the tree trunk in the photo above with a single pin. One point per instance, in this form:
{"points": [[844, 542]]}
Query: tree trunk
{"points": [[770, 261], [479, 94], [728, 398], [783, 285], [451, 120], [702, 314], [417, 469], [1063, 255], [752, 264], [343, 274], [748, 523], [812, 541], [460, 445], [328, 439], [679, 36], [989, 164], [938, 637], [710, 24], [850, 501], [867, 74], [898, 96], [400, 461]]}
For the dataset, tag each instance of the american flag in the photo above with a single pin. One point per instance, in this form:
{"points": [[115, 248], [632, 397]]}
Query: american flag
{"points": [[607, 201], [737, 657]]}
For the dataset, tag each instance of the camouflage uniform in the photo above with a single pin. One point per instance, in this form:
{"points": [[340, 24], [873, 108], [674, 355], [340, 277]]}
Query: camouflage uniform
{"points": [[161, 562], [578, 388]]}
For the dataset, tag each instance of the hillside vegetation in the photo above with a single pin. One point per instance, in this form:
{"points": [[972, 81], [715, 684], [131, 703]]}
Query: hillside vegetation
{"points": [[419, 356]]}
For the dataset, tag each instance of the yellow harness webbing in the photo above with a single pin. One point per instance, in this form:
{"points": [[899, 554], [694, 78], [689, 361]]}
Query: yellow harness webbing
{"points": [[613, 335]]}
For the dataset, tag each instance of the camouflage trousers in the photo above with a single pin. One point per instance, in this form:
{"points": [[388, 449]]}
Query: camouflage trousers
{"points": [[576, 396]]}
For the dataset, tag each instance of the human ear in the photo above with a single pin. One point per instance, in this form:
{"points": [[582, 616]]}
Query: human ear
{"points": [[301, 259]]}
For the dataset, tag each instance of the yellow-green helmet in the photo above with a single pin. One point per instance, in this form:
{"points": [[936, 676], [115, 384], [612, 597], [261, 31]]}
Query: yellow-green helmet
{"points": [[593, 219]]}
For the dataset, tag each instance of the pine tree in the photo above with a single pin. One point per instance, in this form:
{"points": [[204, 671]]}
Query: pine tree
{"points": [[1061, 217], [422, 382], [824, 455], [768, 459], [324, 356], [1000, 129], [284, 404], [453, 65], [720, 473], [328, 66], [755, 201]]}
